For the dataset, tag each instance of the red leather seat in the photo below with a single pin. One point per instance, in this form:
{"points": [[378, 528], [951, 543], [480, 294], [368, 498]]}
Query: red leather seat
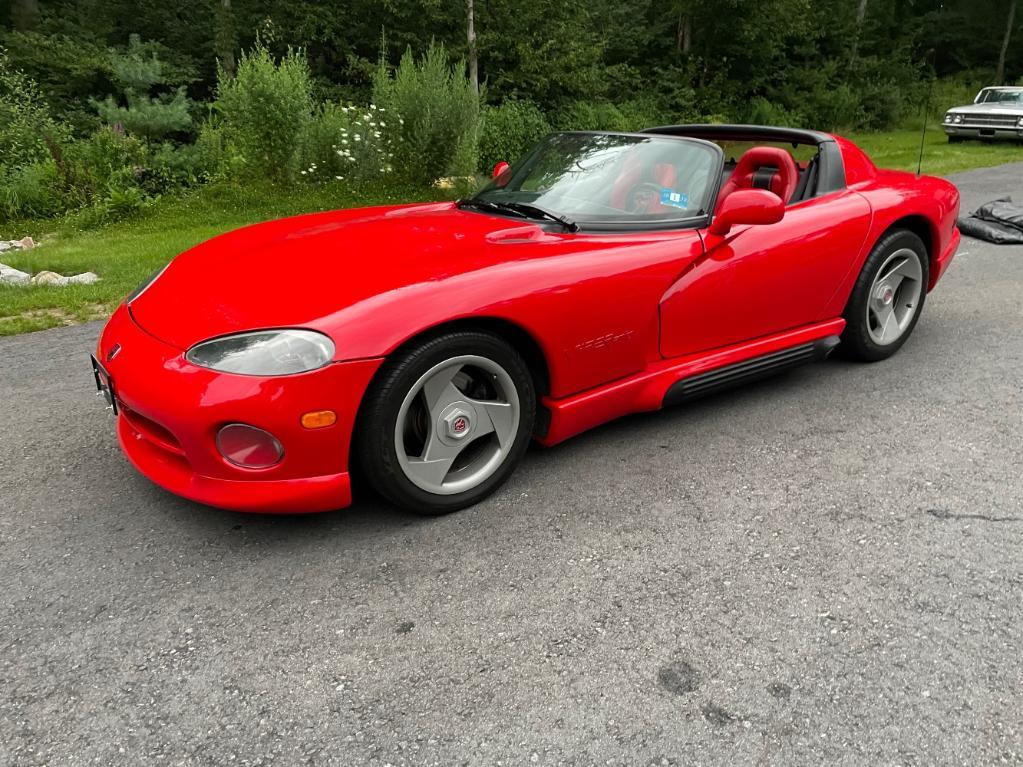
{"points": [[763, 167], [666, 175]]}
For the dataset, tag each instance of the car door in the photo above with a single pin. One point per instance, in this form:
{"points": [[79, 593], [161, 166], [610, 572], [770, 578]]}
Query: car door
{"points": [[761, 280]]}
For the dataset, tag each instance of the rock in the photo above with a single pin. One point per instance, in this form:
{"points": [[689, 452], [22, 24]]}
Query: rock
{"points": [[49, 278], [13, 276], [86, 278], [25, 243]]}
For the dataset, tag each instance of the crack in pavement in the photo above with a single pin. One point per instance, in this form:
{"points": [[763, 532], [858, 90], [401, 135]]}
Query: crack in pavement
{"points": [[943, 514]]}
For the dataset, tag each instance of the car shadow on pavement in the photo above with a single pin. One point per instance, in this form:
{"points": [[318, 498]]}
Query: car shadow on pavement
{"points": [[372, 517]]}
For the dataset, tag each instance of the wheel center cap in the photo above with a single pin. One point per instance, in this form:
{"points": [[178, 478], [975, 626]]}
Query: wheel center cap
{"points": [[886, 295], [456, 422]]}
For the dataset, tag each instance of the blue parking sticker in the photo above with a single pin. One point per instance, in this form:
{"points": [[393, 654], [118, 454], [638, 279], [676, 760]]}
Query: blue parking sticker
{"points": [[673, 198]]}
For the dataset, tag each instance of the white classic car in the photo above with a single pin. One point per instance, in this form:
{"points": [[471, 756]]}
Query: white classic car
{"points": [[996, 113]]}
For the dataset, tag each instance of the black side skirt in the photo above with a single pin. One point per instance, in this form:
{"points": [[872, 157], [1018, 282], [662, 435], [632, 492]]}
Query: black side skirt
{"points": [[750, 370]]}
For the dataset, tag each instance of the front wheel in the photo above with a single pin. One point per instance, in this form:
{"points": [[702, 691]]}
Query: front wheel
{"points": [[446, 422], [887, 299]]}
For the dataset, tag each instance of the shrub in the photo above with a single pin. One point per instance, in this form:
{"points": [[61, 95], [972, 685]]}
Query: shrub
{"points": [[25, 122], [348, 143], [86, 168], [138, 72], [508, 131], [32, 191], [64, 67], [265, 109], [439, 112], [764, 111], [586, 115]]}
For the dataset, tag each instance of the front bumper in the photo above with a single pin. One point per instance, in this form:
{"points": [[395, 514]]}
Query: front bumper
{"points": [[170, 412], [1004, 133], [945, 258]]}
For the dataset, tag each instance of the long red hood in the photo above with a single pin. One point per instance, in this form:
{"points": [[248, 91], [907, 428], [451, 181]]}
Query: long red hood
{"points": [[292, 272]]}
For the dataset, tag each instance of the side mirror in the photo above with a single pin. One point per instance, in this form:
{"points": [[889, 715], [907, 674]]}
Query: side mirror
{"points": [[499, 169], [747, 206]]}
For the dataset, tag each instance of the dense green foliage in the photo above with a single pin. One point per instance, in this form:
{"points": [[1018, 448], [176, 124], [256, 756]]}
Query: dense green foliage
{"points": [[265, 108], [107, 105], [438, 111], [137, 72], [507, 131]]}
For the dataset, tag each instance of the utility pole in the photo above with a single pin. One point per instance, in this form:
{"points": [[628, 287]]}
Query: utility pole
{"points": [[1000, 72]]}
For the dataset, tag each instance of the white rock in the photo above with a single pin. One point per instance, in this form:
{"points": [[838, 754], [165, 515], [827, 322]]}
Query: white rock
{"points": [[27, 243], [87, 278], [13, 276], [49, 278]]}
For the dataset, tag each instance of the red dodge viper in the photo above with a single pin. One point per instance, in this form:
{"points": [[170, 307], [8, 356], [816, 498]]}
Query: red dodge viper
{"points": [[421, 347]]}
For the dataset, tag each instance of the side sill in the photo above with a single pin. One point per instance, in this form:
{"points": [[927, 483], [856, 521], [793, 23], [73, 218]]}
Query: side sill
{"points": [[756, 368]]}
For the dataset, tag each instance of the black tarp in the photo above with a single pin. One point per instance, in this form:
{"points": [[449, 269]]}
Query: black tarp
{"points": [[999, 221]]}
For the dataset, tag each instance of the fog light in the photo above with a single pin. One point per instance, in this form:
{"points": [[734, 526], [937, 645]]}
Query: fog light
{"points": [[319, 419], [249, 447]]}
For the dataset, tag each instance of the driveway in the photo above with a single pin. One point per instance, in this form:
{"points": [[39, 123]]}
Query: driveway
{"points": [[824, 568]]}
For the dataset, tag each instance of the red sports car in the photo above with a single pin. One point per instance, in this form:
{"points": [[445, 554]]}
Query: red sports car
{"points": [[421, 347]]}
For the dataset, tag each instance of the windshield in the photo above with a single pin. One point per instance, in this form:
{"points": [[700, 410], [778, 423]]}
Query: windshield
{"points": [[991, 96], [611, 178]]}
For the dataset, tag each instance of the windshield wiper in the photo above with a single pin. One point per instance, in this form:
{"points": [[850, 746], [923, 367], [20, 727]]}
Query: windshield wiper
{"points": [[537, 212], [523, 209], [497, 207]]}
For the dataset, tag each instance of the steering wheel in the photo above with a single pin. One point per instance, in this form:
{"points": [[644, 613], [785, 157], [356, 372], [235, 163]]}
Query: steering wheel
{"points": [[642, 197]]}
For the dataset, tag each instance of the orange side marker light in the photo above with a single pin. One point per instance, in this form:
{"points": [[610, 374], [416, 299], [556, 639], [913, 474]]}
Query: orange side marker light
{"points": [[319, 419]]}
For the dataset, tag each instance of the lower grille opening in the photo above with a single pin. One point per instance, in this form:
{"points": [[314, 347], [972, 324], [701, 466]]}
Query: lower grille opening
{"points": [[151, 431]]}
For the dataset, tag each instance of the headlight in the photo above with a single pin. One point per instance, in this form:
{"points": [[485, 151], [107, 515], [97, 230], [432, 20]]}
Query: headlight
{"points": [[948, 117], [957, 118], [145, 285], [1019, 122], [264, 352]]}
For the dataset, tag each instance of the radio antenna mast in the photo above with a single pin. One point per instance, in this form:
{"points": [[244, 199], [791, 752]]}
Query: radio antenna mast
{"points": [[923, 131]]}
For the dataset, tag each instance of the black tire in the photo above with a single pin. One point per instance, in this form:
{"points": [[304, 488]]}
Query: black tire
{"points": [[374, 442], [857, 342], [956, 139]]}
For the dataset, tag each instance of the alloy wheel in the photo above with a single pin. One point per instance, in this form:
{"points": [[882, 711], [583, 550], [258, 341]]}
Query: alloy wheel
{"points": [[457, 425]]}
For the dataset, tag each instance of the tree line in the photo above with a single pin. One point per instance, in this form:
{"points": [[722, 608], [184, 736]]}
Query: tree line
{"points": [[826, 63], [108, 105]]}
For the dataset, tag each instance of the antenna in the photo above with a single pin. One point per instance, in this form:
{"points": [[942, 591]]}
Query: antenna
{"points": [[927, 113]]}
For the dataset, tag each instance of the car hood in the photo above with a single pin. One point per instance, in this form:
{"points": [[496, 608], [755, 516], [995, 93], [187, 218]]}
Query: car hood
{"points": [[987, 109], [295, 272]]}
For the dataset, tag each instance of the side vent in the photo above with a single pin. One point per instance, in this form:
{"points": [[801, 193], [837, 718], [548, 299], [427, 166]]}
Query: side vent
{"points": [[739, 373]]}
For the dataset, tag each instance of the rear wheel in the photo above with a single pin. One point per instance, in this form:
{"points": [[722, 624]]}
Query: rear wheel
{"points": [[446, 422], [887, 299]]}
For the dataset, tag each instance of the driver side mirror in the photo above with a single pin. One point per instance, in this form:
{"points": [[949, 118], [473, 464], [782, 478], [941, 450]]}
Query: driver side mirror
{"points": [[747, 206], [501, 169]]}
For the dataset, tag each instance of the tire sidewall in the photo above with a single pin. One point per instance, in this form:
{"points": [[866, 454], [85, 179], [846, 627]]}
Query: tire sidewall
{"points": [[856, 340], [375, 435]]}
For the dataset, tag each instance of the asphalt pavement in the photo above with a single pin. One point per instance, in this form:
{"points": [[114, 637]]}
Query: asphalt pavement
{"points": [[826, 568]]}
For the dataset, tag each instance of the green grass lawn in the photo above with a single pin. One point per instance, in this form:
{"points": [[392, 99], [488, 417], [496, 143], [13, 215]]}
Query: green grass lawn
{"points": [[899, 150], [124, 253]]}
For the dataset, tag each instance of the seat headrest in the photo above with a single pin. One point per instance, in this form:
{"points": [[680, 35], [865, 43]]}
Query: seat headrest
{"points": [[666, 174], [764, 167]]}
